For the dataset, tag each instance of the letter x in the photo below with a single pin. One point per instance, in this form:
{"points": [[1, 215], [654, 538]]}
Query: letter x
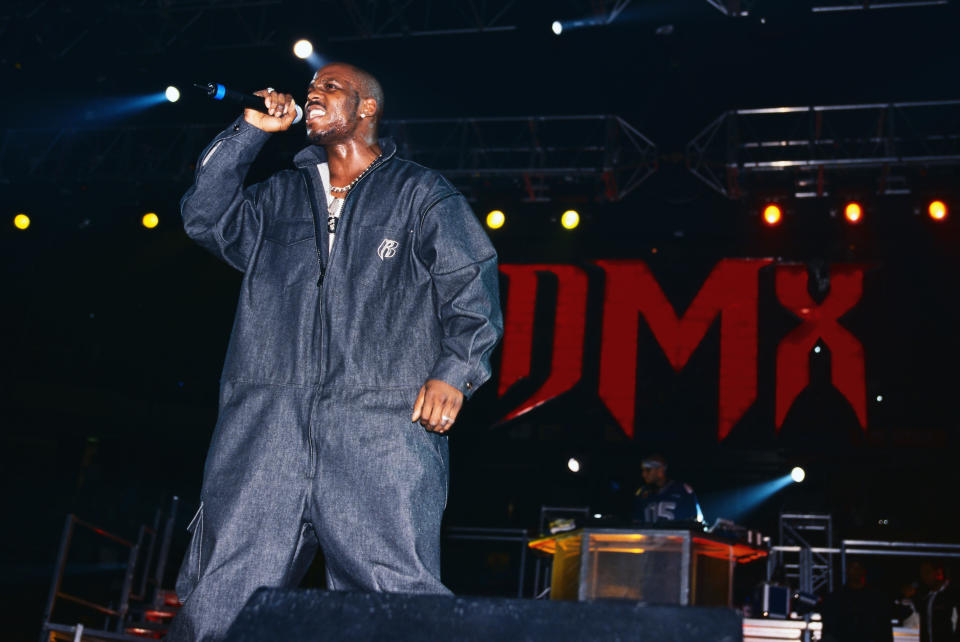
{"points": [[820, 323]]}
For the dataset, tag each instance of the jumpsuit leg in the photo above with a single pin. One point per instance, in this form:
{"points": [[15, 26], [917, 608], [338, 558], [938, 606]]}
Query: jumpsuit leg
{"points": [[252, 529], [235, 550], [379, 495]]}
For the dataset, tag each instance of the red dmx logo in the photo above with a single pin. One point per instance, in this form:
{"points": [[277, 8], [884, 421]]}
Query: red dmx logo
{"points": [[729, 292]]}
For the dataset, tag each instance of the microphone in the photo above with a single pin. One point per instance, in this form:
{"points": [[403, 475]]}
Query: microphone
{"points": [[219, 92]]}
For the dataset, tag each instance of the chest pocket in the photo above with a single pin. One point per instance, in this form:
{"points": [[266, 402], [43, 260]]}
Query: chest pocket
{"points": [[381, 256], [288, 253]]}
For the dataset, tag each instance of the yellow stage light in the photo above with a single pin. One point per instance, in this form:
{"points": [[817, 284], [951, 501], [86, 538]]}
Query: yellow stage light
{"points": [[772, 214], [150, 220], [21, 221], [495, 219], [570, 219], [853, 212]]}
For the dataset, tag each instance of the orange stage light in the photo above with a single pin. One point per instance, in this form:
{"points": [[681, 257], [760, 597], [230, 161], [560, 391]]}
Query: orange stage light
{"points": [[937, 210]]}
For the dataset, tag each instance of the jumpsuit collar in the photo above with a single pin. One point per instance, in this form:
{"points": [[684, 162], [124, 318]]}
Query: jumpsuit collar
{"points": [[311, 155]]}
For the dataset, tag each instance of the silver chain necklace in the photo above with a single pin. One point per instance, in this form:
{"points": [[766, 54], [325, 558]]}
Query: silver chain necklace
{"points": [[337, 206], [347, 188]]}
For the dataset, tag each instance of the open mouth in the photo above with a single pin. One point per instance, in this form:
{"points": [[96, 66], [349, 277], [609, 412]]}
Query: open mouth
{"points": [[314, 112]]}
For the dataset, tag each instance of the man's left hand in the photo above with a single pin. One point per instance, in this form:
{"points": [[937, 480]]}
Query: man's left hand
{"points": [[437, 405]]}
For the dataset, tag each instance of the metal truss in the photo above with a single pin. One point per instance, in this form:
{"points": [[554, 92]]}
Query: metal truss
{"points": [[538, 154], [742, 8], [830, 6], [804, 149], [379, 19], [535, 156], [54, 29], [809, 538], [115, 154]]}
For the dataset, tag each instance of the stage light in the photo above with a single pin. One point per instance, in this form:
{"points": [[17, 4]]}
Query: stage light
{"points": [[570, 219], [879, 398], [172, 94], [556, 27], [150, 220], [495, 219], [798, 474], [937, 210], [816, 349], [853, 212], [303, 49], [772, 214], [21, 221], [574, 465]]}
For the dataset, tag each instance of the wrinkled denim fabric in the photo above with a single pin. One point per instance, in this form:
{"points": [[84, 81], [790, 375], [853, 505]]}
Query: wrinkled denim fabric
{"points": [[314, 445]]}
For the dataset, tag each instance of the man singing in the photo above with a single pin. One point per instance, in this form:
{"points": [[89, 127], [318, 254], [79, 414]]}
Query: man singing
{"points": [[368, 311]]}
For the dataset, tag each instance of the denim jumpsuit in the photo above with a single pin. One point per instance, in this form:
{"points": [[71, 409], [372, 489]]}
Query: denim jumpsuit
{"points": [[313, 444]]}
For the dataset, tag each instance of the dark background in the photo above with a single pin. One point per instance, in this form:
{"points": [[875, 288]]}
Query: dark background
{"points": [[114, 335]]}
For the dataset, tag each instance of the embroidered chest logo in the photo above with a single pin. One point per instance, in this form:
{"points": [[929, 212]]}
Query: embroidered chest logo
{"points": [[387, 249]]}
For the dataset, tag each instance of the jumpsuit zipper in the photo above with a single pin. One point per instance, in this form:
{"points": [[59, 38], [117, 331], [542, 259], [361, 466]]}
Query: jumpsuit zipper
{"points": [[332, 252], [313, 454]]}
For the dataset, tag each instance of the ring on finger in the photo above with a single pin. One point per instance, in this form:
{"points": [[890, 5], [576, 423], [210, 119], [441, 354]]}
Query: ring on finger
{"points": [[445, 419]]}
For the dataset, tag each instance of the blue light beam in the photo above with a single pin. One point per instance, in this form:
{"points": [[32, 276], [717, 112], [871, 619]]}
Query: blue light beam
{"points": [[316, 61], [739, 502], [655, 14], [107, 109]]}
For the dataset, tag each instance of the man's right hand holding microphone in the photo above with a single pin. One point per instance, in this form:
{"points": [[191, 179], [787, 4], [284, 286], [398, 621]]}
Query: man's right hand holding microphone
{"points": [[281, 112]]}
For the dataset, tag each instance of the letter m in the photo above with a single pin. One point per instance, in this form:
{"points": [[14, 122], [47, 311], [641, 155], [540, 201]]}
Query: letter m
{"points": [[729, 292]]}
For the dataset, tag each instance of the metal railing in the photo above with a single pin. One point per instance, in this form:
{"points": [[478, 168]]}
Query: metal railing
{"points": [[134, 561], [505, 535]]}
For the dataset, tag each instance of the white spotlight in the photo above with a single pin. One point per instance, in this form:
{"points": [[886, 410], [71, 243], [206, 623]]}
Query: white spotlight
{"points": [[172, 94], [798, 474], [557, 27], [574, 465], [879, 398], [303, 49]]}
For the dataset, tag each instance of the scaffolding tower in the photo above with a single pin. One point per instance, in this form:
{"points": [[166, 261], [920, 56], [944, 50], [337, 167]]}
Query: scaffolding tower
{"points": [[804, 553]]}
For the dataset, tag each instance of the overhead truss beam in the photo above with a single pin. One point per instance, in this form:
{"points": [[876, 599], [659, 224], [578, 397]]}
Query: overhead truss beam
{"points": [[742, 8], [747, 149], [54, 29], [535, 156], [382, 19]]}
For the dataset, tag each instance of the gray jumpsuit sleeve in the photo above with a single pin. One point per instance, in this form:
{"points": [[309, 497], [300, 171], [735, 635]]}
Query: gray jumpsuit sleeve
{"points": [[463, 267], [218, 212]]}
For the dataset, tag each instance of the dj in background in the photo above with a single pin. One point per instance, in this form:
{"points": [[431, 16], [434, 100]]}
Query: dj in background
{"points": [[661, 499]]}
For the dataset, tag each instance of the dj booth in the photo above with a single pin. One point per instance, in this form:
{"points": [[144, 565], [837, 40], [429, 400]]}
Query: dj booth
{"points": [[657, 566]]}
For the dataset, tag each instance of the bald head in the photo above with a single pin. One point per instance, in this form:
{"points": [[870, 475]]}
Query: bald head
{"points": [[343, 102], [368, 87], [363, 82]]}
